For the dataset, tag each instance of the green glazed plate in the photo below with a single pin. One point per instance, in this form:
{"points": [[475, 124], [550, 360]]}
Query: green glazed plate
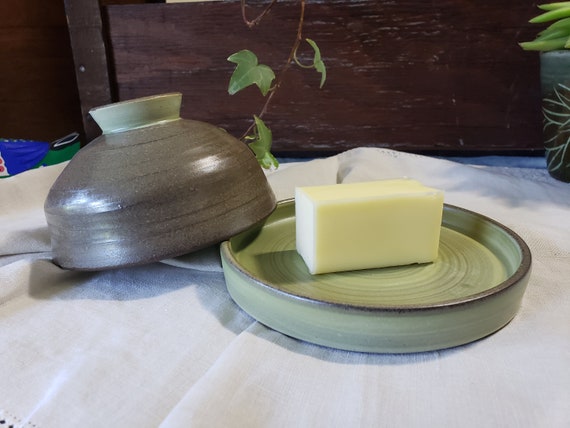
{"points": [[474, 288]]}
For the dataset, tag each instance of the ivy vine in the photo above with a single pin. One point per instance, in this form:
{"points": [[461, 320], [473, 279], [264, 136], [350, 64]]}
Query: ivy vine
{"points": [[249, 71]]}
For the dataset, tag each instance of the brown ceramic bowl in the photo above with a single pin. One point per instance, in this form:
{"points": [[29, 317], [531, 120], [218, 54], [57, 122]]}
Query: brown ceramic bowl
{"points": [[153, 186]]}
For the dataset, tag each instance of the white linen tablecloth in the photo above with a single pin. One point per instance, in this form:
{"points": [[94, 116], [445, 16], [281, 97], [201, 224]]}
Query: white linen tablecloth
{"points": [[164, 344]]}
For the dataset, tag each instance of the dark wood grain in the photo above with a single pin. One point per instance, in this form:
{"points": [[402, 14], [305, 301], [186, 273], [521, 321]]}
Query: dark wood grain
{"points": [[89, 42], [90, 58], [38, 95], [444, 76]]}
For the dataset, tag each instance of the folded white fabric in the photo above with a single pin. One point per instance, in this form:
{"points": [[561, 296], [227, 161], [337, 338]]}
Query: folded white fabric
{"points": [[159, 344]]}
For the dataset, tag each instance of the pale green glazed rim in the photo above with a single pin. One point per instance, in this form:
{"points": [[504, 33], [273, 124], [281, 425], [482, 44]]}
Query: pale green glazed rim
{"points": [[387, 328], [137, 113]]}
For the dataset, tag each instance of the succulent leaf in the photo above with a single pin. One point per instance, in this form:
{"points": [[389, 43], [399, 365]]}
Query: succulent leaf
{"points": [[557, 35]]}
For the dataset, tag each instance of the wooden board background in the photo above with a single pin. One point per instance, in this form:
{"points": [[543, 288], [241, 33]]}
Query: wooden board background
{"points": [[445, 76], [38, 96]]}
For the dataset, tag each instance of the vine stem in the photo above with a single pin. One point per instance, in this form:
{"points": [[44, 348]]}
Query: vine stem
{"points": [[287, 65], [252, 23]]}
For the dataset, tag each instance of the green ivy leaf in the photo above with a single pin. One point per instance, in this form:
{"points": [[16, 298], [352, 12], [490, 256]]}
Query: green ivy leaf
{"points": [[318, 62], [248, 72], [261, 144]]}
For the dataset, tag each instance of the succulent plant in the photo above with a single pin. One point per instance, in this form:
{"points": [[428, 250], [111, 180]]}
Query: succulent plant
{"points": [[557, 35]]}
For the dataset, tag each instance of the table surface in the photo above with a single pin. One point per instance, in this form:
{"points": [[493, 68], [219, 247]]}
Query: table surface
{"points": [[164, 344]]}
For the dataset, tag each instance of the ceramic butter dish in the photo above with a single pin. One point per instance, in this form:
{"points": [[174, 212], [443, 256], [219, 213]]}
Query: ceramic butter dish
{"points": [[152, 186]]}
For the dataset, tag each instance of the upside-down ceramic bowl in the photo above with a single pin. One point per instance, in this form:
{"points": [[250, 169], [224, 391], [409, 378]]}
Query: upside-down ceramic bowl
{"points": [[152, 186]]}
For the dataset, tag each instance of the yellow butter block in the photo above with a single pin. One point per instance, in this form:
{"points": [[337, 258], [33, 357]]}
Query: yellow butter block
{"points": [[374, 224]]}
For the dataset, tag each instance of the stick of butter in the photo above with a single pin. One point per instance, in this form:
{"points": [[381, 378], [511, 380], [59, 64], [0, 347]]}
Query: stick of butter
{"points": [[374, 224]]}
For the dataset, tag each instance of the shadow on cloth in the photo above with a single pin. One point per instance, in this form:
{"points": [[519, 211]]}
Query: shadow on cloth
{"points": [[48, 281]]}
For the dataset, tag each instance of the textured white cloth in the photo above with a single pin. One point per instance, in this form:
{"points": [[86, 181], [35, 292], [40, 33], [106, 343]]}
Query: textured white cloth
{"points": [[164, 344]]}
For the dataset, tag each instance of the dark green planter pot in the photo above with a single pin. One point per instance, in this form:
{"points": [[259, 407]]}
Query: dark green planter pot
{"points": [[555, 85]]}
